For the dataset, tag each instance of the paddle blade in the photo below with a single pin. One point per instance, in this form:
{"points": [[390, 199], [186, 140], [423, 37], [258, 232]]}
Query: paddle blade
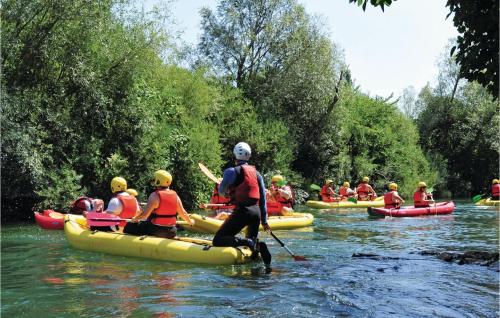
{"points": [[299, 258], [102, 219], [315, 187], [208, 173], [353, 200], [477, 198]]}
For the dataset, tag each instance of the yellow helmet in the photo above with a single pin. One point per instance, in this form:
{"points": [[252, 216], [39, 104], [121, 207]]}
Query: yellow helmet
{"points": [[132, 192], [495, 181], [118, 184], [277, 178], [346, 184], [422, 184], [328, 181], [393, 186], [162, 178], [366, 179]]}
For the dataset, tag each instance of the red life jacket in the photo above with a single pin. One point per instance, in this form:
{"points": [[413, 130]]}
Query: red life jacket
{"points": [[78, 206], [418, 198], [216, 198], [129, 207], [363, 190], [166, 213], [325, 196], [246, 191], [495, 190], [388, 200]]}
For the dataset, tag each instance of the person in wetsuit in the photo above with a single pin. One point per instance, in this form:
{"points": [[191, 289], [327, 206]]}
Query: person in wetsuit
{"points": [[244, 184]]}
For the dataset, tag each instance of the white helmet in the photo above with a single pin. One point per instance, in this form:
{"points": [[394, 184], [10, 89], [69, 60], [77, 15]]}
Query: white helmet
{"points": [[242, 151]]}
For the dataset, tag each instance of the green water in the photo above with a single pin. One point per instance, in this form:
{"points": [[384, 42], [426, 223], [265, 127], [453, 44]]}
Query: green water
{"points": [[42, 276]]}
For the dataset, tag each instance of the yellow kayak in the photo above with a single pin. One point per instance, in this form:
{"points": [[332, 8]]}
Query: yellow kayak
{"points": [[204, 224], [488, 202], [378, 202], [187, 250]]}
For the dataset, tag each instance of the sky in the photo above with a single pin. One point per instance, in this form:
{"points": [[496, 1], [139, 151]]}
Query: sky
{"points": [[386, 51]]}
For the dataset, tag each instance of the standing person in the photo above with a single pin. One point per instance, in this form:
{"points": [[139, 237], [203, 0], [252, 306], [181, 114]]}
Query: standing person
{"points": [[163, 206], [346, 192], [392, 199], [421, 198], [495, 189], [121, 204], [246, 187], [365, 191], [327, 192]]}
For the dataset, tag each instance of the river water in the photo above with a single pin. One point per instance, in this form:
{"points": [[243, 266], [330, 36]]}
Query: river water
{"points": [[42, 276]]}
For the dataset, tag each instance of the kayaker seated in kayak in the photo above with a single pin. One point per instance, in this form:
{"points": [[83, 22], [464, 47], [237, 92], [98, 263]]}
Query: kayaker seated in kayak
{"points": [[346, 192], [421, 198], [392, 200], [122, 204], [246, 187], [280, 193], [220, 204], [328, 193], [86, 204], [365, 191], [160, 214], [495, 190]]}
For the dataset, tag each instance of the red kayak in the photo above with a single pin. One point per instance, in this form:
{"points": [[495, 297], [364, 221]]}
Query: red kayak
{"points": [[437, 209], [50, 220]]}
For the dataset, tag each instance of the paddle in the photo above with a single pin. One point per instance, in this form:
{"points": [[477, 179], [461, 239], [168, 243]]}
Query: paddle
{"points": [[295, 257], [103, 219], [478, 197], [208, 173], [315, 187]]}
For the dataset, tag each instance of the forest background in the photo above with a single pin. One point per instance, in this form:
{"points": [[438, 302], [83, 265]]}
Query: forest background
{"points": [[95, 89]]}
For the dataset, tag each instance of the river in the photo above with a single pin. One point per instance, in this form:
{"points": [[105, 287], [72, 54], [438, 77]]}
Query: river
{"points": [[42, 276]]}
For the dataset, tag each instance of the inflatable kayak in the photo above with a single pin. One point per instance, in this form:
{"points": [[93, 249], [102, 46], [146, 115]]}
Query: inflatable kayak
{"points": [[438, 209], [205, 224], [378, 202], [272, 207], [51, 220], [488, 202], [187, 250]]}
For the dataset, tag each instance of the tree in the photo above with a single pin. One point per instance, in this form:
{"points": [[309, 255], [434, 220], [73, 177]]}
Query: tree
{"points": [[477, 45], [407, 102], [243, 36]]}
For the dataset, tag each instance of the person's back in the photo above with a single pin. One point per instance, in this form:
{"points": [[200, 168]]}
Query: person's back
{"points": [[246, 187], [495, 189], [365, 191], [392, 199], [160, 214]]}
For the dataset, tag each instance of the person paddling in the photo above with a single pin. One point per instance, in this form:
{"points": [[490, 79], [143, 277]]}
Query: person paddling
{"points": [[365, 191], [163, 206], [246, 187], [327, 192], [392, 200], [495, 189], [421, 198], [281, 193], [122, 204], [346, 192]]}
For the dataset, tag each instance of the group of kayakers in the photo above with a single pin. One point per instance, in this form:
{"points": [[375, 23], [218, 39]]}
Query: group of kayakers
{"points": [[242, 186], [363, 192]]}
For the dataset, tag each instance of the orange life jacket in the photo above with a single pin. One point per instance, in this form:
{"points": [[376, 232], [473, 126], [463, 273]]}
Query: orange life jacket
{"points": [[129, 207], [363, 190], [245, 191], [388, 200], [325, 195], [216, 198], [418, 199], [495, 190], [166, 213]]}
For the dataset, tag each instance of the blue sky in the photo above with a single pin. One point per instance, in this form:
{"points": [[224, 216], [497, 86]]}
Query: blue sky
{"points": [[386, 51]]}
